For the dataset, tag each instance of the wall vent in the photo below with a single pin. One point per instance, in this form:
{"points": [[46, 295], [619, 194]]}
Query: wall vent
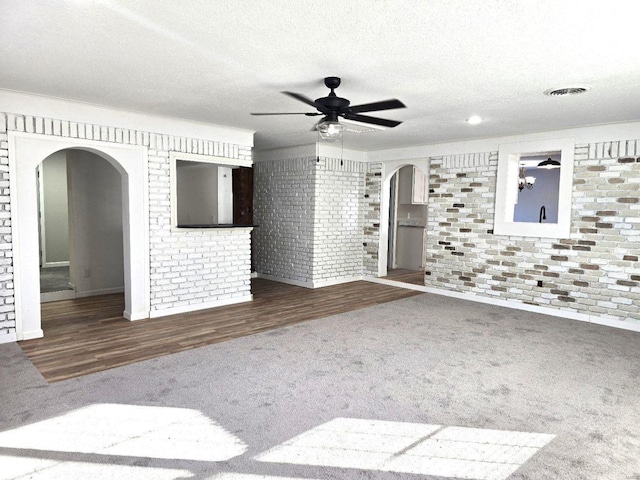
{"points": [[564, 91]]}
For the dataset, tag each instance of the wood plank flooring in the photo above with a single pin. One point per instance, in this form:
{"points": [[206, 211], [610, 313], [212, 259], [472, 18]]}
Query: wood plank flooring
{"points": [[415, 277], [88, 335]]}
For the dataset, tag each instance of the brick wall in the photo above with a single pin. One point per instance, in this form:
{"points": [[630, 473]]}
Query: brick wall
{"points": [[593, 272], [187, 268], [371, 237], [284, 193], [338, 220], [7, 310], [310, 216]]}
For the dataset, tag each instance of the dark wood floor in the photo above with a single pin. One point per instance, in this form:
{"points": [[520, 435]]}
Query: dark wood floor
{"points": [[88, 335], [415, 277]]}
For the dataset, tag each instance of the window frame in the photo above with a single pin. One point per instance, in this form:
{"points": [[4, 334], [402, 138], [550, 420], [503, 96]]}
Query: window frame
{"points": [[507, 189], [192, 157]]}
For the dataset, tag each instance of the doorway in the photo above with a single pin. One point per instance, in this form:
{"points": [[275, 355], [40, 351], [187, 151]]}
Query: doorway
{"points": [[81, 229], [26, 152], [405, 196]]}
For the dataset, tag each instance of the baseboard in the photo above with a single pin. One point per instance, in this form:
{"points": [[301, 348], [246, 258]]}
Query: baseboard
{"points": [[336, 281], [198, 306], [554, 312], [311, 284], [135, 316], [30, 335], [102, 291], [288, 281]]}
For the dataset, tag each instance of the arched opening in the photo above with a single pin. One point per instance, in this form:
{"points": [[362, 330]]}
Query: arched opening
{"points": [[80, 226], [26, 152], [403, 222]]}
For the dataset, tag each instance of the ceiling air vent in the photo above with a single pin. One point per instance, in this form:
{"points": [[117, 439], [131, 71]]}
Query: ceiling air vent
{"points": [[564, 91]]}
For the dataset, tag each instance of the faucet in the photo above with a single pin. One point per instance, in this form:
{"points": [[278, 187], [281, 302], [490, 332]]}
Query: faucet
{"points": [[543, 214]]}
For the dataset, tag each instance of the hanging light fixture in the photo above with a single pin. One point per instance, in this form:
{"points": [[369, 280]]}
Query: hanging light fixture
{"points": [[329, 128], [525, 181], [549, 163]]}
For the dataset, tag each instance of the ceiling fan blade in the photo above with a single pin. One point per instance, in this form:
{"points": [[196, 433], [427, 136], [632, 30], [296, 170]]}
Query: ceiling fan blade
{"points": [[371, 107], [307, 100], [308, 114], [374, 120]]}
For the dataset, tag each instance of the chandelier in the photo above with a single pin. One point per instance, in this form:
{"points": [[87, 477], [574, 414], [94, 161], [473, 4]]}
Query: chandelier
{"points": [[525, 181]]}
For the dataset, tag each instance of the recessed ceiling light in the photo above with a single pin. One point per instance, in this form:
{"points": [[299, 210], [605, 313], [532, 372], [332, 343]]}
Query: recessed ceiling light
{"points": [[474, 120], [568, 90]]}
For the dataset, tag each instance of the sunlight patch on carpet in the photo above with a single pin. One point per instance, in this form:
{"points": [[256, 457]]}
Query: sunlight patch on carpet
{"points": [[248, 476], [130, 431], [469, 453], [39, 469]]}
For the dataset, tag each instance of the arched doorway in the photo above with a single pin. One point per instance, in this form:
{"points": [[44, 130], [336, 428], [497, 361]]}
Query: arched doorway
{"points": [[414, 201], [26, 152]]}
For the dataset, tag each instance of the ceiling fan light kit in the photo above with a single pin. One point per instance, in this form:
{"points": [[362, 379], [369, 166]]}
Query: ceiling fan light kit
{"points": [[330, 130], [332, 107]]}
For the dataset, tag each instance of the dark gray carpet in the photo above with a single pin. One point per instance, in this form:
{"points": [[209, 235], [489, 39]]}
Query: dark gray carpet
{"points": [[427, 359]]}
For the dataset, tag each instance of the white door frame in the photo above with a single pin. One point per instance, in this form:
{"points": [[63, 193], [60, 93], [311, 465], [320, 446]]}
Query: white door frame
{"points": [[26, 152]]}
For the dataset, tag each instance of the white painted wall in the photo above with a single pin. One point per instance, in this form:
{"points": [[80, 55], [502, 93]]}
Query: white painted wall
{"points": [[54, 210], [95, 205], [197, 191], [204, 192], [225, 195]]}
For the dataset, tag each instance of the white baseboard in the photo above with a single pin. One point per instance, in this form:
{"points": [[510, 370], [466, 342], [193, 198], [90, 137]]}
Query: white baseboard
{"points": [[288, 281], [32, 334], [199, 306], [311, 284], [336, 281], [135, 316], [597, 319]]}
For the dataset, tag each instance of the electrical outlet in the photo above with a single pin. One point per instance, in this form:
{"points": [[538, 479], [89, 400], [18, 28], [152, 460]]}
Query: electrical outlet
{"points": [[86, 273]]}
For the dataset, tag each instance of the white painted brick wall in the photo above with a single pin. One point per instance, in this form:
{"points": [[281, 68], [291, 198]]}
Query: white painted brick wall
{"points": [[186, 267], [338, 222], [284, 193], [310, 217]]}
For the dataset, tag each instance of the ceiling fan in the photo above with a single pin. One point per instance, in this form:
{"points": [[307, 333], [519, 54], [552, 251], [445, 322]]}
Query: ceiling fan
{"points": [[333, 107]]}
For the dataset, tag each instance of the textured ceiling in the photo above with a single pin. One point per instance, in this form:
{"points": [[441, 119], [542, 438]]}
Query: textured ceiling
{"points": [[216, 61]]}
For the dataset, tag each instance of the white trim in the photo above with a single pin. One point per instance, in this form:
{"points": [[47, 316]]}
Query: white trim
{"points": [[191, 157], [31, 334], [554, 312], [311, 150], [336, 281], [81, 112], [388, 170], [26, 150], [194, 307], [41, 213], [593, 134], [507, 189], [288, 281], [310, 284], [102, 291]]}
